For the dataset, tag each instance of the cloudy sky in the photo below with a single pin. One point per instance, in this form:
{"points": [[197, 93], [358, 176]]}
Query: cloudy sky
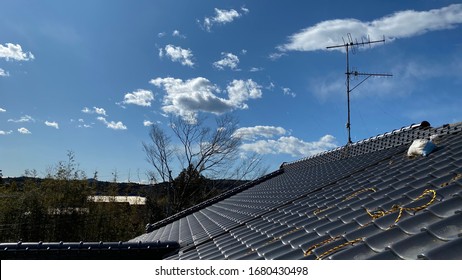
{"points": [[92, 76]]}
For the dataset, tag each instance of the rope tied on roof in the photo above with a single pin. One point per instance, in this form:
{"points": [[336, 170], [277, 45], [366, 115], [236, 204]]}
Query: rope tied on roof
{"points": [[455, 178], [355, 194], [336, 248], [328, 240], [317, 211], [397, 208]]}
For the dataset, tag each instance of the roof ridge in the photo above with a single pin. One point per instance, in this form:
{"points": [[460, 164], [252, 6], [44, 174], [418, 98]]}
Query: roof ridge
{"points": [[396, 137]]}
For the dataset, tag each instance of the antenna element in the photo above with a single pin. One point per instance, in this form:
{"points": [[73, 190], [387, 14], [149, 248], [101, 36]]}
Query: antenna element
{"points": [[353, 46]]}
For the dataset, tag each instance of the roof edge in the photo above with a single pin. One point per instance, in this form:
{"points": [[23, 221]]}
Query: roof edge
{"points": [[204, 204], [397, 137]]}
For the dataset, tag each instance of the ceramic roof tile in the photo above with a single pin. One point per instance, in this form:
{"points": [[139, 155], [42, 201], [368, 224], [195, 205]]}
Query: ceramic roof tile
{"points": [[251, 256], [385, 255], [343, 229], [292, 235], [447, 229], [305, 240], [323, 201], [295, 254], [450, 251], [381, 240], [328, 247], [447, 207], [358, 252], [418, 222], [415, 245]]}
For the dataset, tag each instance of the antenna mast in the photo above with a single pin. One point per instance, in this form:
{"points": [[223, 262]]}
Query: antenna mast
{"points": [[350, 44]]}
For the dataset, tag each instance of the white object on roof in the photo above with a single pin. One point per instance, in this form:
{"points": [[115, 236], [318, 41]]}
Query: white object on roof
{"points": [[421, 147]]}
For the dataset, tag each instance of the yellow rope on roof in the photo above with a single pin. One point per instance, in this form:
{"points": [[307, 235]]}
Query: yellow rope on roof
{"points": [[328, 240], [336, 248], [397, 208], [358, 193], [319, 210]]}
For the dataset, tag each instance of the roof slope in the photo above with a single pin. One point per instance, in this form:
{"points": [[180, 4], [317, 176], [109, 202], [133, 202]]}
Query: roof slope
{"points": [[367, 200]]}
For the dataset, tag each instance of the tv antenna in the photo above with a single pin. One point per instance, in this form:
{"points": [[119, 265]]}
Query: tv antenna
{"points": [[353, 46]]}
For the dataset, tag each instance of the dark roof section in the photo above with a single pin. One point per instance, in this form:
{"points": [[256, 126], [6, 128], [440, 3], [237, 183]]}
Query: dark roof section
{"points": [[365, 200], [87, 250], [229, 193]]}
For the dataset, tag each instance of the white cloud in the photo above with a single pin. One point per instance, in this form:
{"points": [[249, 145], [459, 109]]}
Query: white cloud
{"points": [[187, 98], [252, 133], [24, 130], [147, 123], [291, 145], [81, 123], [161, 34], [112, 124], [52, 124], [25, 118], [100, 111], [95, 110], [177, 33], [256, 69], [229, 60], [178, 54], [140, 97], [84, 125], [14, 52], [288, 91], [222, 17], [4, 73], [401, 24], [86, 110], [276, 56], [2, 132], [240, 91], [2, 110]]}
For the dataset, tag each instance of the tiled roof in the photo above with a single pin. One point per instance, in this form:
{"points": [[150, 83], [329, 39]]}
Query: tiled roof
{"points": [[367, 200]]}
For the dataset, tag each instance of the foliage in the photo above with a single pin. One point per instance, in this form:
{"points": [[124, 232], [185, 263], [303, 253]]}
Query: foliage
{"points": [[57, 208]]}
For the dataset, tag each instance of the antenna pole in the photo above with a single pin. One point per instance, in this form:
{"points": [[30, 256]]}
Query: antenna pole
{"points": [[353, 44], [348, 73]]}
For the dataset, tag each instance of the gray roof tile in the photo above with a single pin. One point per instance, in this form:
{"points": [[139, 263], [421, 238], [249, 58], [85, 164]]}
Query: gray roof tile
{"points": [[415, 245], [447, 229], [358, 252], [322, 201], [291, 254], [449, 251], [305, 241], [385, 255], [447, 207], [418, 222], [381, 240]]}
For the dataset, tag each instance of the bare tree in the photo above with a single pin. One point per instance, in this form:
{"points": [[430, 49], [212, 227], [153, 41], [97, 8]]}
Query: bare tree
{"points": [[203, 150], [207, 149], [159, 153]]}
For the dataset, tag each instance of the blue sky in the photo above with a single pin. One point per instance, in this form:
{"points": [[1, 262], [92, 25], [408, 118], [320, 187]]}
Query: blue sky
{"points": [[91, 76]]}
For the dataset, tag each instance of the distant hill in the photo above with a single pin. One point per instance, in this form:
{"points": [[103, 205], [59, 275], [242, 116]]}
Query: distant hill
{"points": [[131, 188]]}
